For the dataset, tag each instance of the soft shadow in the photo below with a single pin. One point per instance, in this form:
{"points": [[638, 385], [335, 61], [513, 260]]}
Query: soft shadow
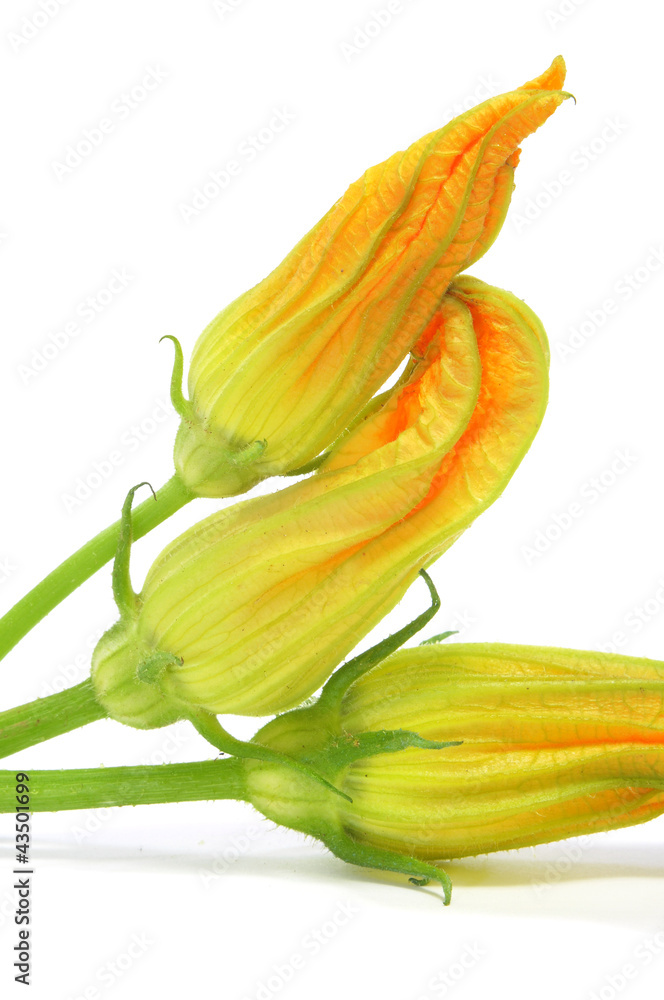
{"points": [[551, 880], [559, 863]]}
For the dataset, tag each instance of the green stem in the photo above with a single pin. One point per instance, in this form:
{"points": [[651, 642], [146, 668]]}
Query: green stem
{"points": [[40, 720], [82, 564], [94, 788]]}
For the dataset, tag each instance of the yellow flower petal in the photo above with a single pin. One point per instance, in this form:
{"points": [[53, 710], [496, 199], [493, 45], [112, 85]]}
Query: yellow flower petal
{"points": [[263, 600], [556, 743], [295, 359]]}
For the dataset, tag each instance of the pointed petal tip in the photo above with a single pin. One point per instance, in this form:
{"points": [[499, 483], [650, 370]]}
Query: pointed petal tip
{"points": [[552, 78]]}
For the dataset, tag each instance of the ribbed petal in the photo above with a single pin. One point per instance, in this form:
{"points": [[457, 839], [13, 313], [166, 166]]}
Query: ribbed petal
{"points": [[294, 360], [512, 695], [471, 799], [556, 742], [230, 595]]}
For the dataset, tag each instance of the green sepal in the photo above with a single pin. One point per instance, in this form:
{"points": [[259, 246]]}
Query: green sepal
{"points": [[346, 848], [150, 671], [182, 406], [336, 687], [311, 466], [341, 751], [211, 729], [123, 592], [439, 638], [248, 454], [312, 816]]}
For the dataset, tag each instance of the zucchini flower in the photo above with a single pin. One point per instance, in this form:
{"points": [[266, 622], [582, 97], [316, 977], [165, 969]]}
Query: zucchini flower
{"points": [[285, 370], [249, 611], [541, 744], [408, 758], [282, 371]]}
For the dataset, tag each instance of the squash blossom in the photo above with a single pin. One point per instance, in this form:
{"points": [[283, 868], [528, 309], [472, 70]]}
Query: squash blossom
{"points": [[408, 758], [250, 610], [556, 743], [284, 369]]}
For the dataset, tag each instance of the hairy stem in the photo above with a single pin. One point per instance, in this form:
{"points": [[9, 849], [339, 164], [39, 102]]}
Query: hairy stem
{"points": [[45, 718], [94, 788]]}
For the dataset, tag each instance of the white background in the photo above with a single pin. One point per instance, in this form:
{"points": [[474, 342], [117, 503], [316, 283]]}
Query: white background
{"points": [[223, 899]]}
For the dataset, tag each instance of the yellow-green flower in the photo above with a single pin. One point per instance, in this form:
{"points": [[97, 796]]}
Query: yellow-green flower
{"points": [[284, 369], [556, 743], [249, 611], [548, 743]]}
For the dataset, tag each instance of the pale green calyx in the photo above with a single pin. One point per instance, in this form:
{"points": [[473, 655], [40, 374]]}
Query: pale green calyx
{"points": [[211, 466], [130, 679]]}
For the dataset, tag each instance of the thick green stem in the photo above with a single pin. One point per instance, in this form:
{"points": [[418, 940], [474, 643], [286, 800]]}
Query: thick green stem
{"points": [[94, 788], [82, 564], [45, 718]]}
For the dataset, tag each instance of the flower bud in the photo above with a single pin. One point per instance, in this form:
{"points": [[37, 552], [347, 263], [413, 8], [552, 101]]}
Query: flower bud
{"points": [[555, 743], [284, 369], [249, 611]]}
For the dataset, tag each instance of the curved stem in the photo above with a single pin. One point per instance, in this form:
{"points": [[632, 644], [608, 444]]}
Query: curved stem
{"points": [[87, 560], [45, 718], [94, 788]]}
